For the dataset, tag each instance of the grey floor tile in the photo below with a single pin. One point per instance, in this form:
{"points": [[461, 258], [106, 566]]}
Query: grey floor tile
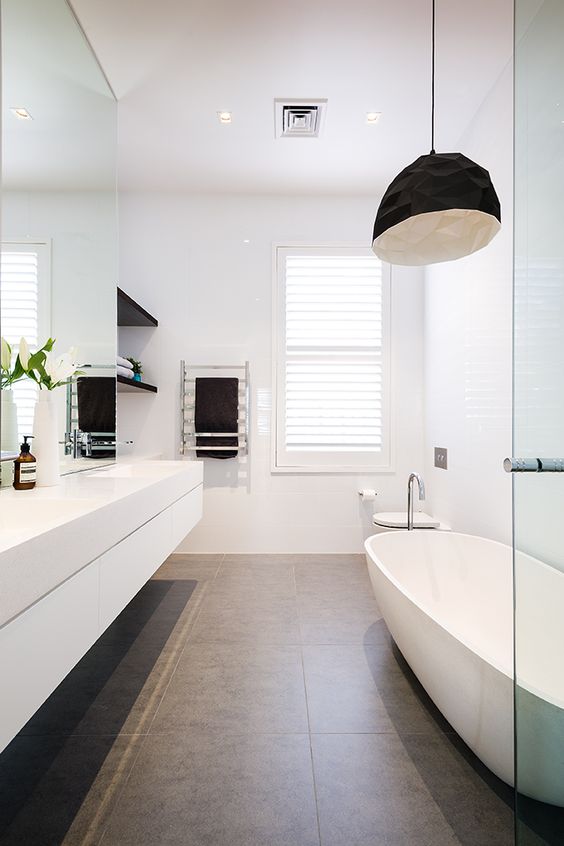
{"points": [[341, 692], [235, 688], [189, 567], [259, 561], [248, 618], [117, 686], [336, 559], [370, 793], [476, 813], [408, 705], [196, 557], [241, 580], [539, 823], [526, 837], [160, 608], [108, 693], [55, 790], [336, 621], [333, 579], [214, 791]]}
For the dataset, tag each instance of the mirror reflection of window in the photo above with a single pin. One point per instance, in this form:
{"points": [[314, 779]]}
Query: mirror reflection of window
{"points": [[59, 217], [25, 312]]}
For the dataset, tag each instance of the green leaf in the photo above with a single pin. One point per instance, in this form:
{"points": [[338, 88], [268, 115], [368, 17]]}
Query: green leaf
{"points": [[18, 370], [37, 360]]}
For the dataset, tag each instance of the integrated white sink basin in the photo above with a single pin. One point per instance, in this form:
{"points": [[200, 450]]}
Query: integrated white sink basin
{"points": [[141, 470]]}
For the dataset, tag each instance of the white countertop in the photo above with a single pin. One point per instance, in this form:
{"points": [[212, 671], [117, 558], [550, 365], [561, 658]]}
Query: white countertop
{"points": [[47, 534]]}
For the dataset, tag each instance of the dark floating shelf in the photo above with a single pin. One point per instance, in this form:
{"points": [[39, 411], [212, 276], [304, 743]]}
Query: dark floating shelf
{"points": [[131, 313], [125, 385]]}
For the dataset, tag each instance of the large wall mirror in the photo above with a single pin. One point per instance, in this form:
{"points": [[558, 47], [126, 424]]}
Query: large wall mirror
{"points": [[58, 226]]}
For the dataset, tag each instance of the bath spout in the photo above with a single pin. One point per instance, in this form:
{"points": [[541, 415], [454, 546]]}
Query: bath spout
{"points": [[413, 477]]}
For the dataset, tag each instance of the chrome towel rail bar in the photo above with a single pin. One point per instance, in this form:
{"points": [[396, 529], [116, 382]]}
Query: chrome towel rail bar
{"points": [[534, 465]]}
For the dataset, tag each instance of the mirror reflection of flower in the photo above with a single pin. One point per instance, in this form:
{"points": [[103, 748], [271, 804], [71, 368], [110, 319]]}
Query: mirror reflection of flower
{"points": [[47, 369]]}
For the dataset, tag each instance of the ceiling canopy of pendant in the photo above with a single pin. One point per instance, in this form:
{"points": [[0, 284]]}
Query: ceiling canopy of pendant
{"points": [[441, 207]]}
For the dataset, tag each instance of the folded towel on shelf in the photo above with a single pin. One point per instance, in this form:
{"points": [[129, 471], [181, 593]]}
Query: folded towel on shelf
{"points": [[216, 410], [123, 362], [123, 371]]}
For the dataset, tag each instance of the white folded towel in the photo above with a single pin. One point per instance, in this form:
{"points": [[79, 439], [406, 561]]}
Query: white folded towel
{"points": [[124, 371], [123, 362]]}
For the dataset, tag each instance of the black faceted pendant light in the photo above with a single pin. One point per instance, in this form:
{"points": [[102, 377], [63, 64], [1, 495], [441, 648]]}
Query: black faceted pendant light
{"points": [[441, 207]]}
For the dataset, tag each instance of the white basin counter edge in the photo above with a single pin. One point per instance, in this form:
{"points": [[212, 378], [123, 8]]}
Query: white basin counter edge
{"points": [[36, 559]]}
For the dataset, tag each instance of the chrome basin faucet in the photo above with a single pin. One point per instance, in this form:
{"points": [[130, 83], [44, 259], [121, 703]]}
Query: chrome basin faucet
{"points": [[413, 477]]}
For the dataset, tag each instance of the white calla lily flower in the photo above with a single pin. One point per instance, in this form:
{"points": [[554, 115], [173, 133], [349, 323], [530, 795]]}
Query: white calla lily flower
{"points": [[5, 354], [24, 353], [59, 368]]}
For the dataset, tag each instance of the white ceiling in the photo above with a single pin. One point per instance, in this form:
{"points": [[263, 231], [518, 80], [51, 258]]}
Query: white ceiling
{"points": [[174, 63]]}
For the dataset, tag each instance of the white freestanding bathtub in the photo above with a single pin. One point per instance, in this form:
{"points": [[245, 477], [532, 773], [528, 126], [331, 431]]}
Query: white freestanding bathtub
{"points": [[447, 600]]}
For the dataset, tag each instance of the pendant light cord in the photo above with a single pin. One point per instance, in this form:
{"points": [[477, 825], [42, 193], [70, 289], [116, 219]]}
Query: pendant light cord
{"points": [[433, 87]]}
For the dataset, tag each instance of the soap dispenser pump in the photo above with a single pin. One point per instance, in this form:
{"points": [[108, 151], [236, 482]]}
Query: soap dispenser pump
{"points": [[25, 468]]}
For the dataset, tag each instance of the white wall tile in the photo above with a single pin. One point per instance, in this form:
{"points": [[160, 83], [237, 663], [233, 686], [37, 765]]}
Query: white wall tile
{"points": [[184, 259], [468, 369]]}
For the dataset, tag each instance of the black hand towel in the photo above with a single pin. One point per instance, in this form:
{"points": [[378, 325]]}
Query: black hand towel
{"points": [[96, 396], [217, 410]]}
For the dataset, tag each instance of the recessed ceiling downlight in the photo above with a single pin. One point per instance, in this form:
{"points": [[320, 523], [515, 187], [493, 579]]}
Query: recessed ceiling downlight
{"points": [[21, 113], [225, 117], [372, 118]]}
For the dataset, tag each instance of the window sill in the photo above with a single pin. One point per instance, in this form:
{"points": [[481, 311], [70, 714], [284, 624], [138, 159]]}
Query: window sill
{"points": [[358, 470]]}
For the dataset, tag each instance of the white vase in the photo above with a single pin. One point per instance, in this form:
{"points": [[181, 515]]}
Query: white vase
{"points": [[45, 445], [9, 423]]}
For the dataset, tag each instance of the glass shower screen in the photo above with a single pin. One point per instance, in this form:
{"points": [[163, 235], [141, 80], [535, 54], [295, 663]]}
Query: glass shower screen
{"points": [[538, 421]]}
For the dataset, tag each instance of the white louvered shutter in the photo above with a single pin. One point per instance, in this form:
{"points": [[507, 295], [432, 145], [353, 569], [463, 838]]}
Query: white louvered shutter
{"points": [[332, 359], [20, 269]]}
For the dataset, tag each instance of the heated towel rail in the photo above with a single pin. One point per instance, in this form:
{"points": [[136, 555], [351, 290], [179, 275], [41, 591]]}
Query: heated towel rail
{"points": [[188, 434], [85, 444]]}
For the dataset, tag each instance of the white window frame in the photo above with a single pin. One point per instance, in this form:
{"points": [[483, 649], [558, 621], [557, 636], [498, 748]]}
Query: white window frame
{"points": [[325, 462], [41, 246]]}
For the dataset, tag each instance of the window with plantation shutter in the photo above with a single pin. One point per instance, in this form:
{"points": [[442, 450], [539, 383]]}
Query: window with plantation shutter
{"points": [[24, 310], [332, 360]]}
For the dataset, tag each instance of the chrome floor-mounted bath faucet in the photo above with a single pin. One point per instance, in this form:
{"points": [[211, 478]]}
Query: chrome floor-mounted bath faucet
{"points": [[413, 477]]}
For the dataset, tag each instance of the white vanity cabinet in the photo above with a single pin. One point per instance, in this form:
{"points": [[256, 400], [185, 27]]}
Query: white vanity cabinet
{"points": [[40, 646], [42, 643]]}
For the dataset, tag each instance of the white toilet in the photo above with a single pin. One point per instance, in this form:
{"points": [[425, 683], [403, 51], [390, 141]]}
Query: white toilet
{"points": [[397, 520]]}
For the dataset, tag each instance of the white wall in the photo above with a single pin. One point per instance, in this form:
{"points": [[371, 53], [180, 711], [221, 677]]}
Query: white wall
{"points": [[467, 330], [184, 259], [81, 228]]}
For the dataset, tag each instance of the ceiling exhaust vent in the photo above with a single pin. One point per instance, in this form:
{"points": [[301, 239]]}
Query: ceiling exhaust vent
{"points": [[299, 118]]}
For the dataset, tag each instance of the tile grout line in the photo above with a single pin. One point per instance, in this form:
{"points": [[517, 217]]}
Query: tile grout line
{"points": [[219, 567], [307, 710], [146, 735]]}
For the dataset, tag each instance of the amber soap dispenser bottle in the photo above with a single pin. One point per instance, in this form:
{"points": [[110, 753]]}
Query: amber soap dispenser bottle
{"points": [[25, 468]]}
